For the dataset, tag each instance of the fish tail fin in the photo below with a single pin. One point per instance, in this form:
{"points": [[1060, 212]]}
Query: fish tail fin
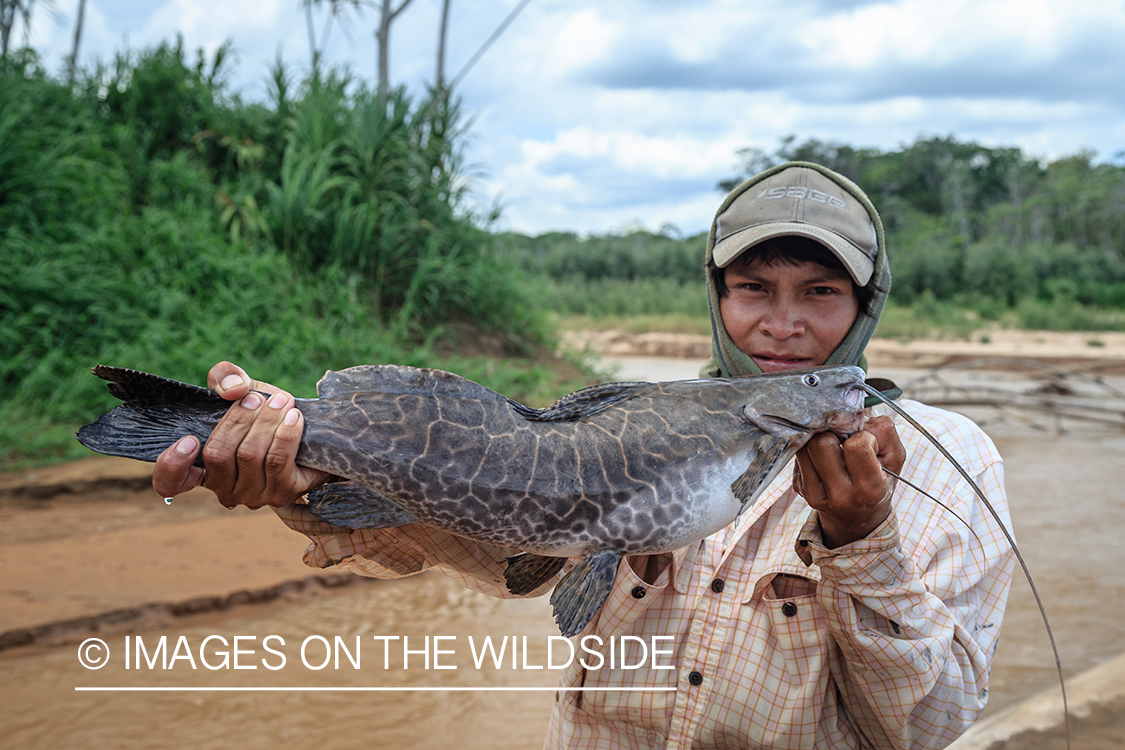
{"points": [[155, 413]]}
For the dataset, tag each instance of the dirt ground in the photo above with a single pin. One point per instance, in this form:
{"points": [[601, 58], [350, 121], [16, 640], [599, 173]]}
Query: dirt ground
{"points": [[83, 546]]}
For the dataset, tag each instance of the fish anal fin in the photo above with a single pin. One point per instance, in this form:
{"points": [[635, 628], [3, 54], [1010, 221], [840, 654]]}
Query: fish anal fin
{"points": [[527, 572], [772, 455], [349, 505], [583, 591]]}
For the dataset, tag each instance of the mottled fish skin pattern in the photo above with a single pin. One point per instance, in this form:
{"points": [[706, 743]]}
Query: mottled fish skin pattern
{"points": [[648, 473]]}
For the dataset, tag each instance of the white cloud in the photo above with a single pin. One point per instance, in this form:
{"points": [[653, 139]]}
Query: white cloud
{"points": [[592, 115]]}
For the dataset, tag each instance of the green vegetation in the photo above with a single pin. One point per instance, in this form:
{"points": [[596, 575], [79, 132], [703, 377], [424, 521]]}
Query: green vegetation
{"points": [[978, 236], [151, 220], [628, 275]]}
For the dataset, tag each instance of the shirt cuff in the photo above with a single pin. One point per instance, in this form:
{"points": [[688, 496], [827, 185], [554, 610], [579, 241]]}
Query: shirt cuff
{"points": [[811, 549]]}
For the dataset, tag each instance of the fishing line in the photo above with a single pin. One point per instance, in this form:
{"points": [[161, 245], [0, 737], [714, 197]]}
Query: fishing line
{"points": [[916, 488], [1004, 529]]}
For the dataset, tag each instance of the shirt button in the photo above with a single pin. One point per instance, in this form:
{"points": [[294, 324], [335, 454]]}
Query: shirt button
{"points": [[717, 585], [695, 678], [789, 609], [638, 592]]}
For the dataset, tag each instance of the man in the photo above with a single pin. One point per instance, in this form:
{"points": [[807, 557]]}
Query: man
{"points": [[839, 611]]}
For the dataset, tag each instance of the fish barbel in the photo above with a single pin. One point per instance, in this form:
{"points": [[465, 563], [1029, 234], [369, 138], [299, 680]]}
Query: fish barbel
{"points": [[611, 470]]}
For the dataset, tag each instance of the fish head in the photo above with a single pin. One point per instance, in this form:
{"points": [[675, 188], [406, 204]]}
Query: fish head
{"points": [[798, 403]]}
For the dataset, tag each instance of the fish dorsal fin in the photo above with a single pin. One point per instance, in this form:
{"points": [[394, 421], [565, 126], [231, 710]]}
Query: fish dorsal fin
{"points": [[772, 455], [584, 403], [401, 379]]}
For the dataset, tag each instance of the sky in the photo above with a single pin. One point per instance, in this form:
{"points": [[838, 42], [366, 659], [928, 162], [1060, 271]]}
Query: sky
{"points": [[598, 117]]}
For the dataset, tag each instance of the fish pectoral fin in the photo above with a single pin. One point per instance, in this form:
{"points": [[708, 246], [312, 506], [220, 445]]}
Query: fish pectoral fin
{"points": [[352, 506], [527, 572], [772, 455], [583, 591]]}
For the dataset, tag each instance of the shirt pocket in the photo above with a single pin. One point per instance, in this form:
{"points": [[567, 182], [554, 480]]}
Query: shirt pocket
{"points": [[778, 670], [797, 625]]}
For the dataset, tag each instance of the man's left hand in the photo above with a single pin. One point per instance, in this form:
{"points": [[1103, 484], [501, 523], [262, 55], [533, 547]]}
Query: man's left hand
{"points": [[845, 482]]}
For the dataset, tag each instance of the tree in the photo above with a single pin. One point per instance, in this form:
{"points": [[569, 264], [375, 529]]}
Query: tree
{"points": [[439, 78], [72, 61], [336, 6], [387, 15], [8, 11]]}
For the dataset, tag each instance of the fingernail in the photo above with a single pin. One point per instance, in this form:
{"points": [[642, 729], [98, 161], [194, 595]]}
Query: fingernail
{"points": [[276, 401], [185, 446], [231, 381], [251, 401], [291, 417]]}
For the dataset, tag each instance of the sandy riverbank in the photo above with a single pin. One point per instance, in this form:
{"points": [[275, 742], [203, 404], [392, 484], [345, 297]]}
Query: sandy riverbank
{"points": [[88, 548], [1105, 350]]}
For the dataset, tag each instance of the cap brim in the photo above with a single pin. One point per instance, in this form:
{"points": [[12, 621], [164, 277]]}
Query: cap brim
{"points": [[855, 260]]}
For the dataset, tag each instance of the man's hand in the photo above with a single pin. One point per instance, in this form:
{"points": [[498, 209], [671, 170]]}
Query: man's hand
{"points": [[845, 481], [250, 458]]}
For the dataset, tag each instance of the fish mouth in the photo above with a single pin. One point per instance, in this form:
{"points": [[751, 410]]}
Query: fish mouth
{"points": [[844, 416], [844, 422], [852, 418]]}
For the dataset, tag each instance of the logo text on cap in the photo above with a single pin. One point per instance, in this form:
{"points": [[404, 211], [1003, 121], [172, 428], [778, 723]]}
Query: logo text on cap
{"points": [[799, 192]]}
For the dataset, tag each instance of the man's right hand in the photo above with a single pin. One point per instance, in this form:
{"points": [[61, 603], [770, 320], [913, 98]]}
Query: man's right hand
{"points": [[250, 457]]}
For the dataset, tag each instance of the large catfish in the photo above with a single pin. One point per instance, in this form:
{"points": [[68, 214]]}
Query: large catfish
{"points": [[608, 471]]}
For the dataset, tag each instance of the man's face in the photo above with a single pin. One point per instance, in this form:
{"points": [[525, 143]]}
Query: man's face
{"points": [[785, 316]]}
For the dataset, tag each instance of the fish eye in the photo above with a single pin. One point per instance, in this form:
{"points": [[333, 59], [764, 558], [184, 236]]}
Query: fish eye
{"points": [[811, 380]]}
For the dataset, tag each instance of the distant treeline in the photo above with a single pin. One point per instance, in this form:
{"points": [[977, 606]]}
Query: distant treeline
{"points": [[988, 228], [638, 273]]}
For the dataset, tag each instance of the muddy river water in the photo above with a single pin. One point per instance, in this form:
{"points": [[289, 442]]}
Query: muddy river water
{"points": [[345, 649]]}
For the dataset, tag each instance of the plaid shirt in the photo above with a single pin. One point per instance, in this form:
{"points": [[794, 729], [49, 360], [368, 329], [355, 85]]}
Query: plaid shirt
{"points": [[885, 642]]}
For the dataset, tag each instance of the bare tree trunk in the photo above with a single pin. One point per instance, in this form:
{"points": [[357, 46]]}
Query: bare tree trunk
{"points": [[313, 52], [27, 22], [8, 10], [72, 63], [387, 15], [440, 77]]}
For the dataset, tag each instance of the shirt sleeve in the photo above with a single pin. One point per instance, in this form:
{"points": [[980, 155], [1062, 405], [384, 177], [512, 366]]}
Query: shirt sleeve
{"points": [[915, 608]]}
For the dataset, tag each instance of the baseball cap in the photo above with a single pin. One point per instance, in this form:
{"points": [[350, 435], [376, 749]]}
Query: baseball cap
{"points": [[799, 201]]}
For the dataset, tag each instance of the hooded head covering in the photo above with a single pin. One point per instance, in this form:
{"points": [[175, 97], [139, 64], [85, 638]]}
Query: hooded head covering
{"points": [[799, 198]]}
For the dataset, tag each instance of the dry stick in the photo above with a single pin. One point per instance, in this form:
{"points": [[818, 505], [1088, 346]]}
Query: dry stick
{"points": [[1007, 535]]}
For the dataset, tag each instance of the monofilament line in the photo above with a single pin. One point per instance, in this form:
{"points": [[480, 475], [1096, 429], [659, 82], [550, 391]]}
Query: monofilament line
{"points": [[1003, 529]]}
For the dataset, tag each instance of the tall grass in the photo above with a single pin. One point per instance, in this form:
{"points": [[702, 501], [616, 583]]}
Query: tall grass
{"points": [[150, 220]]}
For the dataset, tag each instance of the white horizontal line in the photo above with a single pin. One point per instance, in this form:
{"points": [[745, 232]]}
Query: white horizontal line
{"points": [[369, 689]]}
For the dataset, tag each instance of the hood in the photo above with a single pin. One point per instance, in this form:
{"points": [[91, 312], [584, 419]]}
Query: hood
{"points": [[726, 359]]}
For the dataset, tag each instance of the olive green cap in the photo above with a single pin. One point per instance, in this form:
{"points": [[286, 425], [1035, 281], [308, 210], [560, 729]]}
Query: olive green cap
{"points": [[804, 205]]}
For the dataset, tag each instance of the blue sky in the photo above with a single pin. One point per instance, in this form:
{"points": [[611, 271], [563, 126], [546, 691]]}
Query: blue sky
{"points": [[602, 116]]}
